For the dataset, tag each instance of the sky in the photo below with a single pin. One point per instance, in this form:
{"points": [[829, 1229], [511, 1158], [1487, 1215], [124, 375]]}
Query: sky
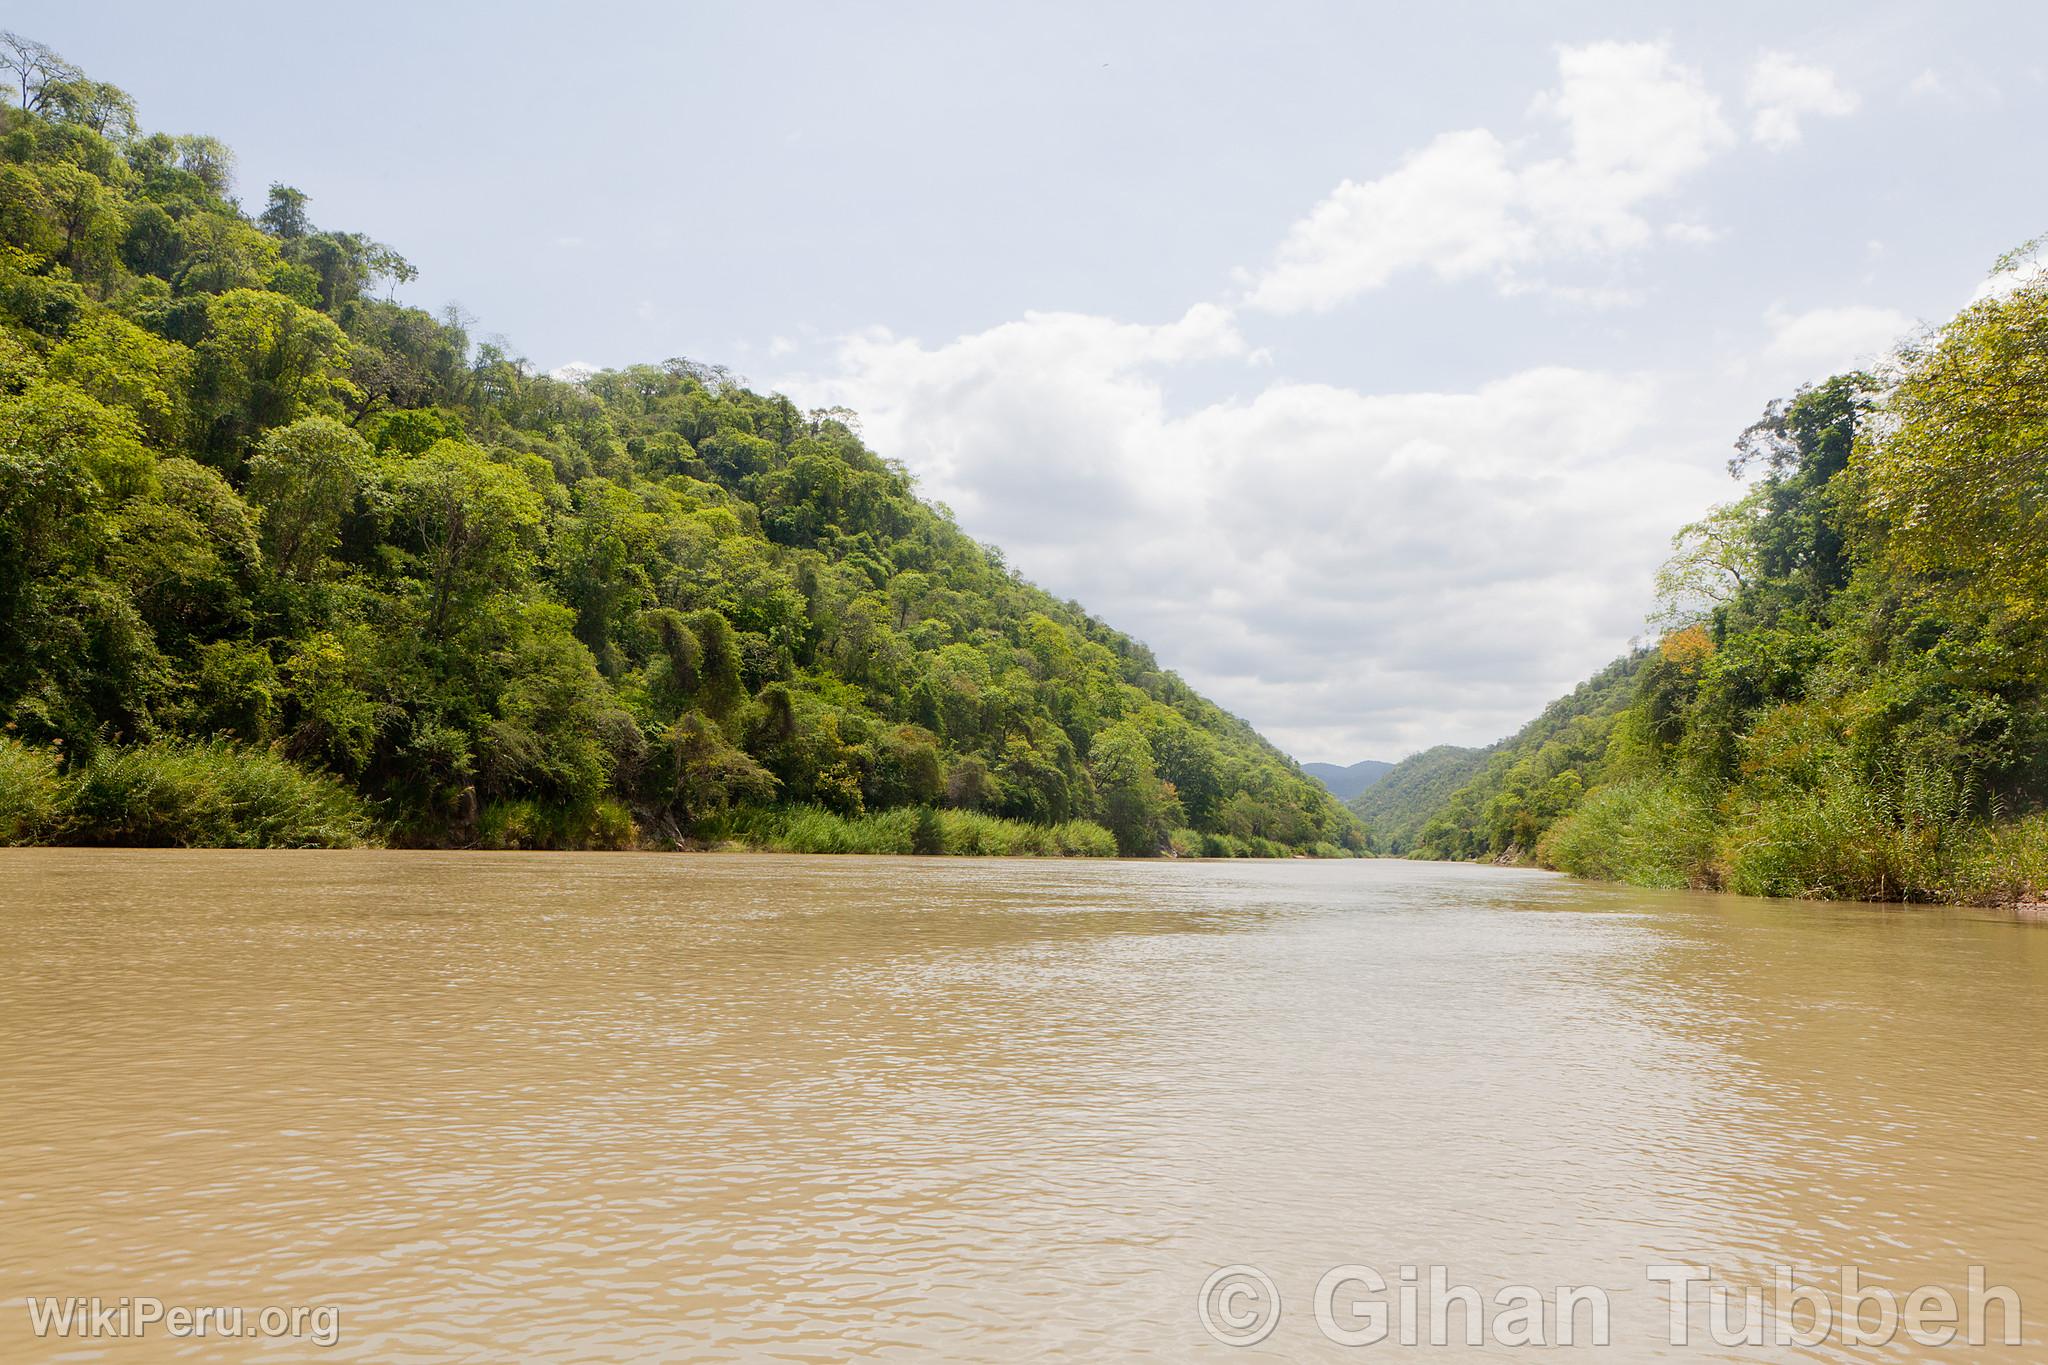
{"points": [[1360, 359]]}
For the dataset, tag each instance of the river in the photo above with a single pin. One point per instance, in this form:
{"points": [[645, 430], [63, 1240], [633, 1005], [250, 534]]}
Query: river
{"points": [[568, 1107]]}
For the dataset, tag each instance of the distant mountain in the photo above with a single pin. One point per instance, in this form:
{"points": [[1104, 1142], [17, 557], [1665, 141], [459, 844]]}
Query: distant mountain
{"points": [[1345, 783], [1404, 798]]}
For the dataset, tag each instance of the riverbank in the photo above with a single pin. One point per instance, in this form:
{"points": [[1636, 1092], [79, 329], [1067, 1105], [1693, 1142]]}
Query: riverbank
{"points": [[226, 796], [2000, 865], [1819, 849]]}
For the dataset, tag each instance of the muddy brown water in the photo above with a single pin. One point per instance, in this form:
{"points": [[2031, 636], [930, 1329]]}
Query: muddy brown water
{"points": [[566, 1107]]}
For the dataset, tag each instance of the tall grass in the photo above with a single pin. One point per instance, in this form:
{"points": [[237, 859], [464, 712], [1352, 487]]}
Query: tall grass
{"points": [[969, 832], [1210, 844], [905, 830], [31, 793], [2002, 864], [1900, 835], [208, 795]]}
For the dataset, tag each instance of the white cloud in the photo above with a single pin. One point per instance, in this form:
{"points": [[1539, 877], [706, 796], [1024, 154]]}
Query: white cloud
{"points": [[1361, 573], [1365, 574], [1692, 234], [2001, 283], [1964, 87], [1928, 85], [1451, 207], [1824, 341], [575, 372], [1599, 298], [1635, 125], [1783, 91]]}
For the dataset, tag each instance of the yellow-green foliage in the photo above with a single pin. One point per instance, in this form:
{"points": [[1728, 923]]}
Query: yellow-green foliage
{"points": [[1955, 471]]}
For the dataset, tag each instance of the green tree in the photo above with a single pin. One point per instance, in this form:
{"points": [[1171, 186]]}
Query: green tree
{"points": [[1138, 808], [304, 480], [468, 527], [1957, 472], [285, 214], [265, 362]]}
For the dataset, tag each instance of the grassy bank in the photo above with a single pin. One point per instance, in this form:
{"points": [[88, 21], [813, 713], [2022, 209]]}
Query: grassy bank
{"points": [[217, 795], [929, 830], [909, 830]]}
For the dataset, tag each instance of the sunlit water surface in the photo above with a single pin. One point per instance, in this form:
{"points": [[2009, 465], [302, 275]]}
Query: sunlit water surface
{"points": [[558, 1107]]}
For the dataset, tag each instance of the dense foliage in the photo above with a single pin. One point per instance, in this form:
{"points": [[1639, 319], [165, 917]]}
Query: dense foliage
{"points": [[257, 521], [1851, 696]]}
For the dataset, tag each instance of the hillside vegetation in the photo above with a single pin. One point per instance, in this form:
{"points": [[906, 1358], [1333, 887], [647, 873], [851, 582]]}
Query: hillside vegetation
{"points": [[1496, 802], [1850, 698], [285, 561], [1396, 807]]}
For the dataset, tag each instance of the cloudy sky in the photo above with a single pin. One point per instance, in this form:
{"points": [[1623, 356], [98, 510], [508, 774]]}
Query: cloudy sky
{"points": [[1361, 359]]}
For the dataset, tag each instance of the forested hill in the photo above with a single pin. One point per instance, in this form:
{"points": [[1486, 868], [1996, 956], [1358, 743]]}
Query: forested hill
{"points": [[1348, 780], [1395, 807], [284, 561], [1851, 694]]}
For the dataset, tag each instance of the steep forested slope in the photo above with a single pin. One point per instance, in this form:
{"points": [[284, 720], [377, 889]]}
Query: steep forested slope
{"points": [[1517, 787], [1396, 807], [1852, 695], [282, 560]]}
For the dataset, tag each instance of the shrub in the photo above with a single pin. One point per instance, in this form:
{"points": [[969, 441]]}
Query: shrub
{"points": [[1646, 833], [1219, 846], [527, 824]]}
